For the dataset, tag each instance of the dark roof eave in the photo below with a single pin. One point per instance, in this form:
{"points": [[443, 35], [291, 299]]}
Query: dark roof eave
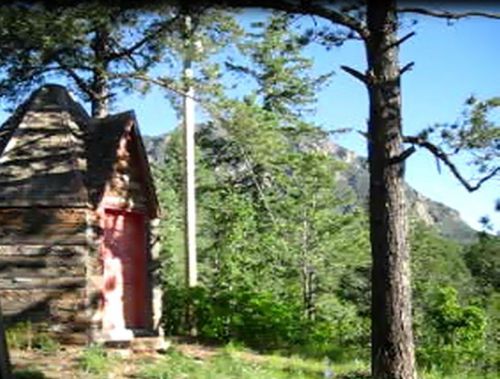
{"points": [[153, 204]]}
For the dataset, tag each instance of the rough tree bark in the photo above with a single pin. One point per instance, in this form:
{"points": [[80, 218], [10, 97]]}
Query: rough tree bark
{"points": [[392, 336], [99, 102]]}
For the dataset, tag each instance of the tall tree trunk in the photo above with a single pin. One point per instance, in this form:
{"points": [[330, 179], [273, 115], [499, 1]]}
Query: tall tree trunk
{"points": [[392, 336], [307, 273], [100, 81]]}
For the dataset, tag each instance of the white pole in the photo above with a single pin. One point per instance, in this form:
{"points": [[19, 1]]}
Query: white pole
{"points": [[189, 169]]}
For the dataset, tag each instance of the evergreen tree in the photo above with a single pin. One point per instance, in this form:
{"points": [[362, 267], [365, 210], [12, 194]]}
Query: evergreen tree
{"points": [[272, 218], [102, 50], [94, 46]]}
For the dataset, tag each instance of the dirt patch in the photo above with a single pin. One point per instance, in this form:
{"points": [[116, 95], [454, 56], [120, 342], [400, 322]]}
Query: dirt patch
{"points": [[196, 351], [64, 363], [54, 365]]}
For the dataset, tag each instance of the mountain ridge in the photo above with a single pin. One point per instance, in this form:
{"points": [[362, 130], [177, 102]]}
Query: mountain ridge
{"points": [[445, 219]]}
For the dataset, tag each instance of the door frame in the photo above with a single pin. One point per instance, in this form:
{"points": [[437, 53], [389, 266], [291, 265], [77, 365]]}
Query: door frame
{"points": [[110, 207]]}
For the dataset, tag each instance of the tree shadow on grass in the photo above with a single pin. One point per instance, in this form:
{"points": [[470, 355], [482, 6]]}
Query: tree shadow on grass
{"points": [[28, 374]]}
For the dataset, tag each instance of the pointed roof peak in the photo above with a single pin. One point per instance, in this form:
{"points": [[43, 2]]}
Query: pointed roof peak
{"points": [[54, 97]]}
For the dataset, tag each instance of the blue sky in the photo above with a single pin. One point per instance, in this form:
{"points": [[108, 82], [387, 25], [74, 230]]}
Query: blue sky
{"points": [[451, 63]]}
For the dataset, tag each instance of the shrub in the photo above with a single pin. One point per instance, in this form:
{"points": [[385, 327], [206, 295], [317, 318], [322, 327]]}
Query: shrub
{"points": [[259, 319], [454, 336]]}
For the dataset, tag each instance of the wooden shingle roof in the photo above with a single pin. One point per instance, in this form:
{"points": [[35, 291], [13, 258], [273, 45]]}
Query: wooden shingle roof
{"points": [[42, 152], [53, 154]]}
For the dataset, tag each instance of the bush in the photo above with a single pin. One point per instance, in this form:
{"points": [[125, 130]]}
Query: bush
{"points": [[338, 331], [263, 321], [454, 337], [258, 319]]}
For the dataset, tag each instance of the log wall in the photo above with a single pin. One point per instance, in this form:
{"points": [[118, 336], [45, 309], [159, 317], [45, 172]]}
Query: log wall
{"points": [[43, 255]]}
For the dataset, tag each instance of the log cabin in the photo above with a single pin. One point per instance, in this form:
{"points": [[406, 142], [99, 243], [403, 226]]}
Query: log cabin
{"points": [[77, 214]]}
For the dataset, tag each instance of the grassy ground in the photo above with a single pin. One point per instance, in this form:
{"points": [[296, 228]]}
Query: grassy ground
{"points": [[183, 361], [230, 363]]}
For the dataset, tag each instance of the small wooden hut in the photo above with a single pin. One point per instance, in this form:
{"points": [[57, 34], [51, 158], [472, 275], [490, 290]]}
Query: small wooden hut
{"points": [[77, 204]]}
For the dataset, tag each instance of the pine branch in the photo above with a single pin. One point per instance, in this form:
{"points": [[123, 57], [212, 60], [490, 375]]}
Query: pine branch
{"points": [[443, 157], [406, 67], [162, 83], [401, 40], [308, 7], [151, 35], [241, 69], [403, 156], [448, 14], [80, 82], [358, 75]]}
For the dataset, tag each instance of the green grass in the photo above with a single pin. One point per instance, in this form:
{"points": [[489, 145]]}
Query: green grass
{"points": [[231, 363], [95, 361], [236, 363], [25, 336]]}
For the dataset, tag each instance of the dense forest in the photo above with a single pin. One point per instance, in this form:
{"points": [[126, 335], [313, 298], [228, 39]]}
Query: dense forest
{"points": [[284, 248]]}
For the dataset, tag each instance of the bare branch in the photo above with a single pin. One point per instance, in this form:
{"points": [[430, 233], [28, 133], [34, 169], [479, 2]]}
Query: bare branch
{"points": [[358, 75], [448, 14], [402, 40], [162, 83], [403, 156], [443, 157], [80, 82], [406, 67]]}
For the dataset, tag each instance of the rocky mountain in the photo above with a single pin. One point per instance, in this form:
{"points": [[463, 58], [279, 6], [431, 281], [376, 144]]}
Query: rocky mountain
{"points": [[445, 219]]}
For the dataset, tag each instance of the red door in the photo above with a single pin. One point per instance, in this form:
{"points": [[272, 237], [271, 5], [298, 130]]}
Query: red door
{"points": [[125, 240]]}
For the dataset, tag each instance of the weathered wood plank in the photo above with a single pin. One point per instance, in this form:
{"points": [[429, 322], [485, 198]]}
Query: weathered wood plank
{"points": [[45, 283], [43, 250], [13, 272], [36, 262], [64, 226]]}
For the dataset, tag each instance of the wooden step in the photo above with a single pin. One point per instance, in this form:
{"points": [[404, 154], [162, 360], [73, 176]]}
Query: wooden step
{"points": [[158, 344]]}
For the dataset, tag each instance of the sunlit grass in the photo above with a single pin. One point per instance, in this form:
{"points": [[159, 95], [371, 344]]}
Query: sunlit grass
{"points": [[236, 363]]}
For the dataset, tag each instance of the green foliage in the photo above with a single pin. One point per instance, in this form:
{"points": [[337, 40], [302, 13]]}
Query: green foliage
{"points": [[483, 260], [436, 262], [474, 135], [95, 360], [259, 319], [38, 42], [26, 336], [233, 363], [455, 334], [104, 50], [274, 219], [278, 67]]}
